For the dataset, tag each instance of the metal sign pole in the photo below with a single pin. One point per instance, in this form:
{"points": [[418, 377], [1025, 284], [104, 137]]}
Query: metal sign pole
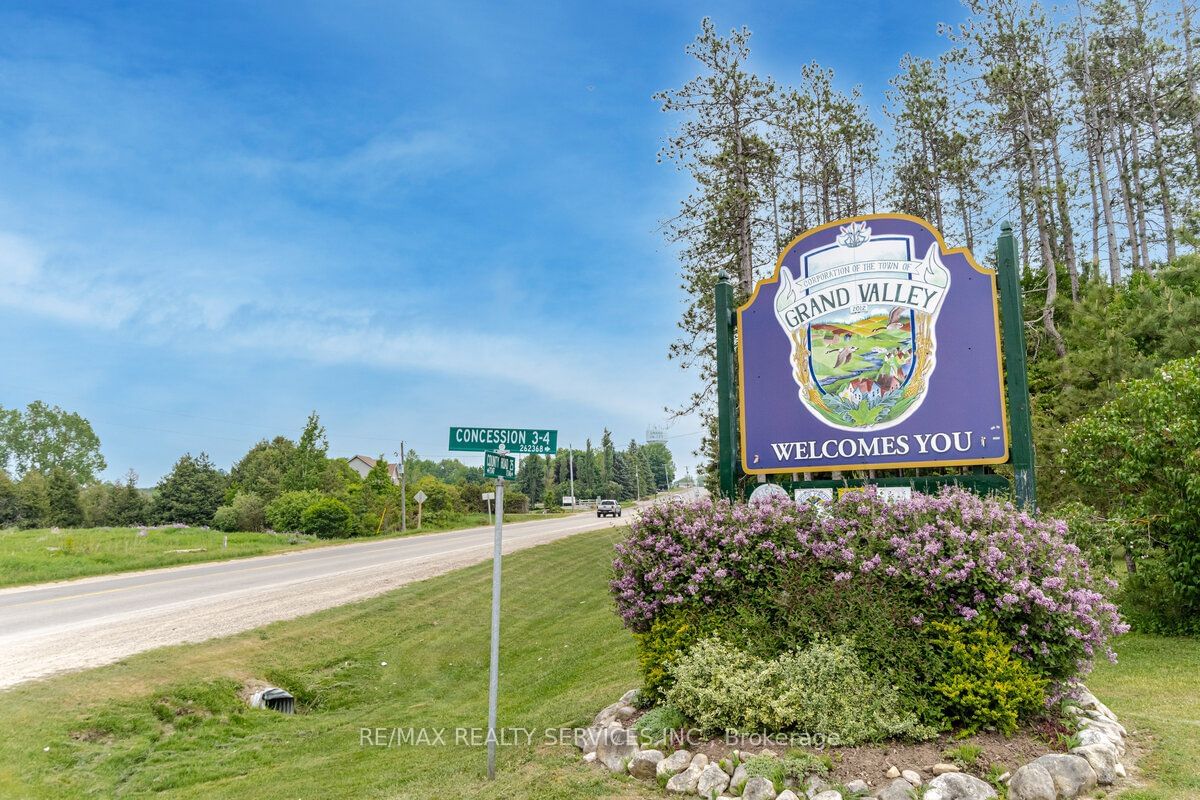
{"points": [[494, 672]]}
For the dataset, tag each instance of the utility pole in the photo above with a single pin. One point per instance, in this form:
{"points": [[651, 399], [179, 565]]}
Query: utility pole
{"points": [[403, 493], [571, 469], [637, 471]]}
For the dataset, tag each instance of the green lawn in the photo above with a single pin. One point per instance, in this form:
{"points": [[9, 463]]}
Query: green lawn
{"points": [[33, 556], [168, 722], [1155, 689]]}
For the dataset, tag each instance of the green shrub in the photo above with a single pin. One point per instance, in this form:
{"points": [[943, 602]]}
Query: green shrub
{"points": [[657, 724], [284, 512], [669, 637], [822, 690], [248, 507], [225, 519], [1147, 600], [1138, 456], [980, 682], [328, 518]]}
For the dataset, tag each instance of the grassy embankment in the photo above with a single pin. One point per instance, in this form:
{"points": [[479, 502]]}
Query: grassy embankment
{"points": [[33, 556], [169, 721]]}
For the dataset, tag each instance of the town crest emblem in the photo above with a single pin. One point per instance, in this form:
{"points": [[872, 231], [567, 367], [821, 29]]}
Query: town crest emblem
{"points": [[861, 316]]}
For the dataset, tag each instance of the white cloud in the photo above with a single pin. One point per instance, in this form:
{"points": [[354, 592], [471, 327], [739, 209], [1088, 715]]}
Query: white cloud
{"points": [[246, 317]]}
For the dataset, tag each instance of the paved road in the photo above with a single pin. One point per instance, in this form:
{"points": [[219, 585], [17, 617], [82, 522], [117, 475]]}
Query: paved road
{"points": [[71, 625]]}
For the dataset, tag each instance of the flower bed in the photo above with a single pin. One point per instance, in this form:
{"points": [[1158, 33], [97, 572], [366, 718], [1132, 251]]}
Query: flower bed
{"points": [[977, 614]]}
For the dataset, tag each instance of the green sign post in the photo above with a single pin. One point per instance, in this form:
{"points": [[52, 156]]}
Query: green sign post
{"points": [[514, 440], [497, 445], [498, 465]]}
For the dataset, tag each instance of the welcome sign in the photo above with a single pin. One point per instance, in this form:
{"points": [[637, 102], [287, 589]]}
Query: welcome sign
{"points": [[872, 346]]}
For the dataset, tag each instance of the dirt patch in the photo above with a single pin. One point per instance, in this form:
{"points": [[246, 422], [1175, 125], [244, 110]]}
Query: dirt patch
{"points": [[92, 736], [872, 762]]}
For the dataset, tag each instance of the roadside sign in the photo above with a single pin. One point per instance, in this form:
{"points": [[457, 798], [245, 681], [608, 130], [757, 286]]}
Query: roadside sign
{"points": [[514, 440], [420, 497], [498, 465], [488, 496]]}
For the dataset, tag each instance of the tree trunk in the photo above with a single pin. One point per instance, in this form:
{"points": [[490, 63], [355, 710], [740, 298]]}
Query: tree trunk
{"points": [[1116, 133], [1190, 81], [1110, 228], [1160, 164], [1091, 159], [1039, 211], [1064, 213], [1139, 196]]}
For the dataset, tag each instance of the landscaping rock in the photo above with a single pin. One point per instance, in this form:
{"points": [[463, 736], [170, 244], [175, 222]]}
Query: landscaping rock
{"points": [[1103, 760], [615, 747], [1089, 702], [739, 778], [588, 758], [625, 713], [892, 773], [857, 787], [814, 785], [1089, 736], [644, 764], [628, 698], [958, 786], [699, 760], [912, 776], [1120, 770], [673, 764], [713, 780], [828, 794], [757, 788], [607, 715], [1032, 782], [685, 782], [587, 739], [787, 794], [942, 769], [1072, 775], [899, 789]]}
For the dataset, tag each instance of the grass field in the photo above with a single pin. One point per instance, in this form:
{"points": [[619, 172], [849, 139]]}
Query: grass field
{"points": [[168, 723], [32, 556], [1155, 689]]}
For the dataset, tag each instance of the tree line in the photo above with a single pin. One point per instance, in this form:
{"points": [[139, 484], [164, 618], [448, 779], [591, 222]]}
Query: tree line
{"points": [[284, 484], [599, 472], [1083, 128]]}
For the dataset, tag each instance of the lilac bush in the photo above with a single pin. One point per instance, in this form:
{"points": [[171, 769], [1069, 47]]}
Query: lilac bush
{"points": [[962, 555]]}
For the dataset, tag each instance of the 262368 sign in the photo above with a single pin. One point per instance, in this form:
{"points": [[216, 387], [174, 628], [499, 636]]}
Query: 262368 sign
{"points": [[872, 346]]}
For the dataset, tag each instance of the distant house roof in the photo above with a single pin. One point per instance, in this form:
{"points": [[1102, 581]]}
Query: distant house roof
{"points": [[393, 469]]}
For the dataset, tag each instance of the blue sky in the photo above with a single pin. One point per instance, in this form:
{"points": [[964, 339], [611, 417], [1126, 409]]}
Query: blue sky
{"points": [[217, 217]]}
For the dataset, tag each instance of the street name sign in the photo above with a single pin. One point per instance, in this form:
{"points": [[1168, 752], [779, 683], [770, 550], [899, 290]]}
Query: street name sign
{"points": [[498, 465], [514, 440], [873, 346]]}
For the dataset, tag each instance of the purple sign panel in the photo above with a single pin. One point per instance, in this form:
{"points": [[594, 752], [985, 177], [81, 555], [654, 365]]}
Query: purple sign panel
{"points": [[872, 347]]}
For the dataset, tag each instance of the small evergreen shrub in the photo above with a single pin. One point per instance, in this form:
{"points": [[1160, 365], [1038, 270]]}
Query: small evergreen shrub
{"points": [[328, 519], [980, 682]]}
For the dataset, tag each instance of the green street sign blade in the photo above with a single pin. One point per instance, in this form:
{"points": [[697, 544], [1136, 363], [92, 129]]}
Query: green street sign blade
{"points": [[513, 440], [498, 466]]}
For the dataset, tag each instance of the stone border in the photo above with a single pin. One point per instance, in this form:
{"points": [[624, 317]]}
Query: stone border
{"points": [[1096, 761]]}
